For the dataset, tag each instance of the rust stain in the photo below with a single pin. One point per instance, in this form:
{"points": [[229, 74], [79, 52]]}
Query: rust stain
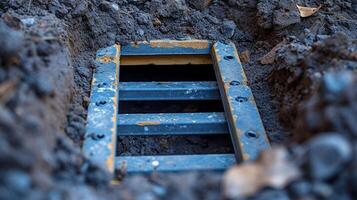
{"points": [[245, 80], [147, 123], [137, 44], [105, 59], [196, 44], [110, 162]]}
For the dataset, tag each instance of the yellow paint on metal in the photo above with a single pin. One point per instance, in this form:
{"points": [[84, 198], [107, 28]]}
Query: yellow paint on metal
{"points": [[245, 80], [166, 60], [105, 59], [196, 44], [147, 123], [112, 145]]}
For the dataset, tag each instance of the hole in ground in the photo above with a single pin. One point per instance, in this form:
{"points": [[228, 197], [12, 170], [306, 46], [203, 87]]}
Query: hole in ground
{"points": [[170, 145], [167, 73], [136, 107]]}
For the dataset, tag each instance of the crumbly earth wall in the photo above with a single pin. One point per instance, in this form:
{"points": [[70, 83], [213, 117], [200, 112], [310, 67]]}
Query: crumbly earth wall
{"points": [[305, 92]]}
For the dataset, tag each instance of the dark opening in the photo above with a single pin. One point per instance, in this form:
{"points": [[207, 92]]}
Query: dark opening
{"points": [[170, 145], [131, 107], [167, 73]]}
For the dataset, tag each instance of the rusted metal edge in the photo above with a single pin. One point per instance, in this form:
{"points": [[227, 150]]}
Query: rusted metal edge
{"points": [[101, 130], [168, 47], [244, 122]]}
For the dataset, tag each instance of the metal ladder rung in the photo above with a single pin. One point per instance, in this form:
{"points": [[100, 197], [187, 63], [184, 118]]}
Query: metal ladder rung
{"points": [[147, 91], [172, 124], [173, 163]]}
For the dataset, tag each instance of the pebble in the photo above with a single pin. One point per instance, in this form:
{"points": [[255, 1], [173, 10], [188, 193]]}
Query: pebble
{"points": [[228, 28], [300, 188], [107, 6], [11, 41], [28, 21], [327, 154], [17, 180]]}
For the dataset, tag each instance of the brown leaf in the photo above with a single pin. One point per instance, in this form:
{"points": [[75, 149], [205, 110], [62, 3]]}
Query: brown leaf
{"points": [[245, 56], [307, 11], [269, 58], [272, 169], [7, 90]]}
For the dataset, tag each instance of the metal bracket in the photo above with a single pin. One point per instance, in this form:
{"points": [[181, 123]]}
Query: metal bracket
{"points": [[241, 118]]}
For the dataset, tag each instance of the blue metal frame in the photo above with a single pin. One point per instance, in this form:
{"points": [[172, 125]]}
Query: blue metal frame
{"points": [[165, 91], [167, 47], [241, 114], [209, 162], [245, 125], [100, 139], [172, 124]]}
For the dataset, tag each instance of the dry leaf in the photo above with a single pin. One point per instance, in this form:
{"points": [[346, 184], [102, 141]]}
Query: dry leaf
{"points": [[308, 11], [245, 56], [272, 169], [7, 89], [269, 58]]}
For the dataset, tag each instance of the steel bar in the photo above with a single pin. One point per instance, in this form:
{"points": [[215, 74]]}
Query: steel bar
{"points": [[171, 124], [165, 91], [174, 163], [167, 47], [245, 125], [100, 139]]}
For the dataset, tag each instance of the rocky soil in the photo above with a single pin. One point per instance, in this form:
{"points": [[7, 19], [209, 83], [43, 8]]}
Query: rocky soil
{"points": [[302, 72]]}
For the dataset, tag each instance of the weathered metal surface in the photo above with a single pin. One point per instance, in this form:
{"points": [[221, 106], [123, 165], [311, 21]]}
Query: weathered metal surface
{"points": [[245, 125], [241, 114], [167, 47], [166, 91], [100, 139], [209, 162], [166, 60], [172, 124]]}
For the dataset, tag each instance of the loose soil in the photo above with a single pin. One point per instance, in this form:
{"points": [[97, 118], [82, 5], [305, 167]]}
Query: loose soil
{"points": [[306, 93]]}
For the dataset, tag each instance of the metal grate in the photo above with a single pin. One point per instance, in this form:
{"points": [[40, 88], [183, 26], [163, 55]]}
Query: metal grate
{"points": [[105, 124]]}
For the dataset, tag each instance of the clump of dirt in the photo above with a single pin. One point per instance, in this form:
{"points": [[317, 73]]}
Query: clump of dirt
{"points": [[36, 86], [321, 168], [301, 68]]}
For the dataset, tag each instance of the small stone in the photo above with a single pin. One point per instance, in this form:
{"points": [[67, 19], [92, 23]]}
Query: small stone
{"points": [[333, 84], [143, 19], [141, 32], [327, 154], [286, 14], [11, 41], [200, 4], [17, 180], [43, 86], [300, 188], [107, 6], [228, 28], [28, 21], [322, 190]]}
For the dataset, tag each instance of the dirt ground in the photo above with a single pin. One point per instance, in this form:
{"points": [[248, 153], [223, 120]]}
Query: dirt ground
{"points": [[302, 71]]}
